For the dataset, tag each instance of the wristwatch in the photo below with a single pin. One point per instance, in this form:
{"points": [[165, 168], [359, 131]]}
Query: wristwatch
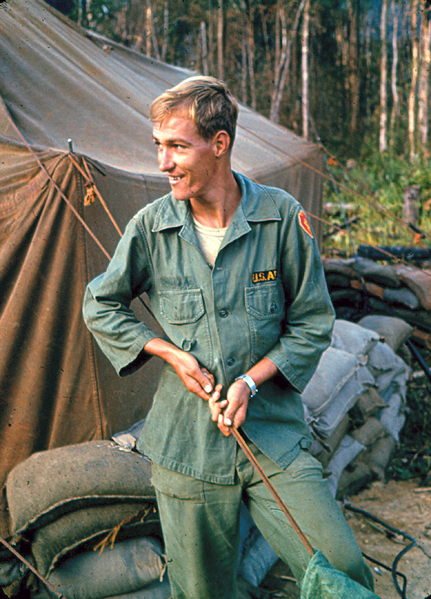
{"points": [[249, 382]]}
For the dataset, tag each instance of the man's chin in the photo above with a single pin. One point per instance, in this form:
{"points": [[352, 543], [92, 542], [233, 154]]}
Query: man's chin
{"points": [[181, 197]]}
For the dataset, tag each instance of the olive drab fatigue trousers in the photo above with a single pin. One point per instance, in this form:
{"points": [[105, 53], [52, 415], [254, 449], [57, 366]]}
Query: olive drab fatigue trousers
{"points": [[200, 523]]}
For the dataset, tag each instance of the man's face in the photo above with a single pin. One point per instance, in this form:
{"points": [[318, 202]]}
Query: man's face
{"points": [[189, 161]]}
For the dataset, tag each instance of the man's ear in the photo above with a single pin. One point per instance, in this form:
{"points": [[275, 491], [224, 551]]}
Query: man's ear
{"points": [[221, 143]]}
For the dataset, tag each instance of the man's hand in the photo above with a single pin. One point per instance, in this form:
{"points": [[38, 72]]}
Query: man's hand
{"points": [[196, 379], [232, 410]]}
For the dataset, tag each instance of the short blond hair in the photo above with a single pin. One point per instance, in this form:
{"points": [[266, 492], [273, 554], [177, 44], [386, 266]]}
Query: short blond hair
{"points": [[207, 101]]}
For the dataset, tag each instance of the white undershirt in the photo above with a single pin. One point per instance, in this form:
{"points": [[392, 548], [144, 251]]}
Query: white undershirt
{"points": [[209, 240]]}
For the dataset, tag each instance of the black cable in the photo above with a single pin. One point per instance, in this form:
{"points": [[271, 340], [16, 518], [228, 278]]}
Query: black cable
{"points": [[394, 531]]}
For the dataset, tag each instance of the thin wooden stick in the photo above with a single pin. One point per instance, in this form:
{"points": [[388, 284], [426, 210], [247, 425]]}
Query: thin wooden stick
{"points": [[35, 572], [272, 490]]}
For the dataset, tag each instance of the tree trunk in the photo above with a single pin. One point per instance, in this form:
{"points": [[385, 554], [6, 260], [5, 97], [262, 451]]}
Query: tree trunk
{"points": [[250, 53], [415, 67], [424, 73], [165, 29], [284, 66], [395, 95], [204, 48], [82, 13], [220, 25], [383, 79], [304, 69], [368, 63], [354, 81], [281, 53], [148, 31], [211, 49], [244, 56], [277, 36], [153, 37]]}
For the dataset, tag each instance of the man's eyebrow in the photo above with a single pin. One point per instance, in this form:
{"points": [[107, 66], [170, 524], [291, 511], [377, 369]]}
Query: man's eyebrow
{"points": [[174, 140]]}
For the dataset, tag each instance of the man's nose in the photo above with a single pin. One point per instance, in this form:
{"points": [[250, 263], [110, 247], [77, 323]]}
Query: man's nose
{"points": [[166, 162]]}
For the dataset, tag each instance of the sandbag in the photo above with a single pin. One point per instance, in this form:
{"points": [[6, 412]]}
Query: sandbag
{"points": [[256, 556], [87, 526], [335, 281], [369, 432], [324, 451], [393, 418], [401, 296], [352, 481], [373, 271], [353, 339], [389, 370], [348, 450], [369, 403], [335, 369], [419, 281], [394, 331], [340, 267], [326, 423], [54, 482], [156, 590], [127, 567], [380, 456]]}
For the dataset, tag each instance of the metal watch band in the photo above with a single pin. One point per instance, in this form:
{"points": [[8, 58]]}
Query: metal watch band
{"points": [[249, 382]]}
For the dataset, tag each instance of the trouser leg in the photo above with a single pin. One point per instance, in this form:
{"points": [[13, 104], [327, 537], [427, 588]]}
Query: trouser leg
{"points": [[200, 523], [307, 496]]}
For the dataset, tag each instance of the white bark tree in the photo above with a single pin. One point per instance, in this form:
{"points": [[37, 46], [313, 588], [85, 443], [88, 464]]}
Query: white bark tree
{"points": [[394, 81], [305, 68], [424, 74], [383, 79], [414, 80]]}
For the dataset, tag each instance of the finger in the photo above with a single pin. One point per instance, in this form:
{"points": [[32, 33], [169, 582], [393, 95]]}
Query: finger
{"points": [[206, 380], [226, 430], [216, 408]]}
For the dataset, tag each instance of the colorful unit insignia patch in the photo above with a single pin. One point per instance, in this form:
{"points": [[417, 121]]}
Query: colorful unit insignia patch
{"points": [[264, 276], [303, 221]]}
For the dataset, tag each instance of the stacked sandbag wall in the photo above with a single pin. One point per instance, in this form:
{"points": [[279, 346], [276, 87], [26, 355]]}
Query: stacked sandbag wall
{"points": [[356, 401], [359, 286], [85, 515]]}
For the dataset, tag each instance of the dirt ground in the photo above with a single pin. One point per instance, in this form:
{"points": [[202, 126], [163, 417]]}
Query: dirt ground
{"points": [[403, 505]]}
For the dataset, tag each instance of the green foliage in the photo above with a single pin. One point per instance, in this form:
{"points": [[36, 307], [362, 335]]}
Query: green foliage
{"points": [[377, 182], [412, 458]]}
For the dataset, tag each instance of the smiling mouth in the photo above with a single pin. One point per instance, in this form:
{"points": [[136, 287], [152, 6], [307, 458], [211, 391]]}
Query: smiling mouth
{"points": [[173, 179]]}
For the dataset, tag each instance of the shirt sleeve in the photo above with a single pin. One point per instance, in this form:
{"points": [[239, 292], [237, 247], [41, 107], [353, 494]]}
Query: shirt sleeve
{"points": [[106, 307], [309, 311]]}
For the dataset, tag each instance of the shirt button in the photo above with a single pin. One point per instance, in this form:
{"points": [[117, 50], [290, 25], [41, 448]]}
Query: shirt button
{"points": [[223, 313], [273, 308], [230, 361]]}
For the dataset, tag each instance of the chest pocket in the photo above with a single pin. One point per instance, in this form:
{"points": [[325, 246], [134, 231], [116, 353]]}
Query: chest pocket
{"points": [[265, 313], [182, 307]]}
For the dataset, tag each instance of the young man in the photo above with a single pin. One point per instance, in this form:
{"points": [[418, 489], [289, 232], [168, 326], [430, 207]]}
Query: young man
{"points": [[235, 279]]}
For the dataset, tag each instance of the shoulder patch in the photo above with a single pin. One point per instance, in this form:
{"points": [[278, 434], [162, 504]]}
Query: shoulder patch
{"points": [[305, 225]]}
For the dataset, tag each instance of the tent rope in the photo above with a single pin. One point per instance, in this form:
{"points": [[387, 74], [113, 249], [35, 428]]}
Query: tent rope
{"points": [[45, 170], [90, 182]]}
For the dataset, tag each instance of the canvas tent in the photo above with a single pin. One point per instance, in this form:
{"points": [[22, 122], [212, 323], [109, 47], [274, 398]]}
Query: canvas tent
{"points": [[57, 82]]}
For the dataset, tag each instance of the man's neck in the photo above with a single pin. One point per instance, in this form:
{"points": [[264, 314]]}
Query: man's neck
{"points": [[217, 210]]}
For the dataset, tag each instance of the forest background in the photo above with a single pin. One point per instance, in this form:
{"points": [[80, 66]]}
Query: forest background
{"points": [[352, 75]]}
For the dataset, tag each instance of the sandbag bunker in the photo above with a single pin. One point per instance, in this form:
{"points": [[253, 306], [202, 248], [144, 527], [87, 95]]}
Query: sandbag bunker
{"points": [[86, 515]]}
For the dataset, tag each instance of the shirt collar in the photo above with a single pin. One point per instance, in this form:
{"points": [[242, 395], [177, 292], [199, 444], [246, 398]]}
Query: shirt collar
{"points": [[256, 205]]}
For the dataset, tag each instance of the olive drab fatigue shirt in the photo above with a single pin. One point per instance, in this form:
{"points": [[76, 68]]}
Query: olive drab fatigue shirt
{"points": [[265, 297]]}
